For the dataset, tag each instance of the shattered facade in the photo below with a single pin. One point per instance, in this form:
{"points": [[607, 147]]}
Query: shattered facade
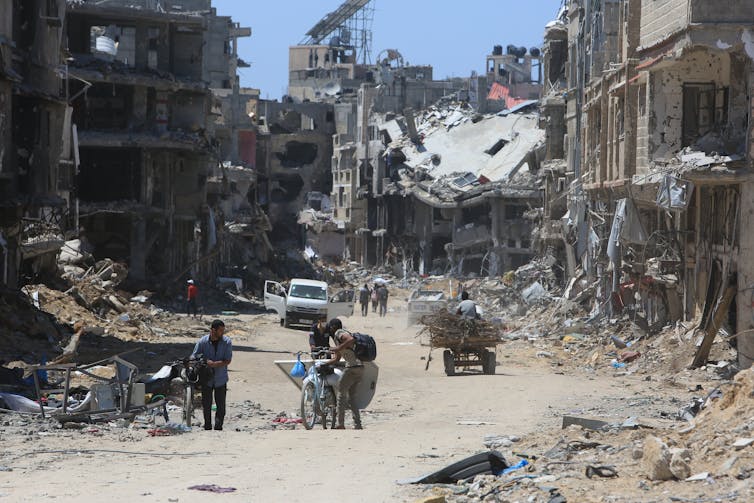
{"points": [[36, 165], [659, 153], [141, 82], [107, 121]]}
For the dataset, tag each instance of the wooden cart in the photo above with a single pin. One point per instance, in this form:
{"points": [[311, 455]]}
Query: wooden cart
{"points": [[467, 343], [469, 353]]}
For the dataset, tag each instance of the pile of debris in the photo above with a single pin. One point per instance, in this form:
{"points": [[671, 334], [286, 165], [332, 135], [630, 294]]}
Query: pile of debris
{"points": [[710, 458], [447, 330]]}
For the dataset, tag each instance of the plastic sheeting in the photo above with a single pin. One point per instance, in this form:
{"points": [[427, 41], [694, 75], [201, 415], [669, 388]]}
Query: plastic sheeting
{"points": [[674, 194]]}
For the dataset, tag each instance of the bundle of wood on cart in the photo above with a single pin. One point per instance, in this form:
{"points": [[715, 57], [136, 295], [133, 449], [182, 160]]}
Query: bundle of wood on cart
{"points": [[448, 330]]}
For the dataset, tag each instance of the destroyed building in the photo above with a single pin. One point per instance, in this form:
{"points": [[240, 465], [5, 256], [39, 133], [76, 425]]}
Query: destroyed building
{"points": [[294, 152], [140, 79], [36, 165], [659, 153], [379, 216]]}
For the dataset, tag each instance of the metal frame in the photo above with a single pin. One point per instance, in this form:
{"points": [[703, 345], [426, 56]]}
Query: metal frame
{"points": [[124, 382]]}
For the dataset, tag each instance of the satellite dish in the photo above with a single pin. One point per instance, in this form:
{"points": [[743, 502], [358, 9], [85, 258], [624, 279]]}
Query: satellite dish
{"points": [[331, 88]]}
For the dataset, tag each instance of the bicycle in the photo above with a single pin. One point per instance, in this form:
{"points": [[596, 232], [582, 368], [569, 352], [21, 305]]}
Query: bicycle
{"points": [[318, 402]]}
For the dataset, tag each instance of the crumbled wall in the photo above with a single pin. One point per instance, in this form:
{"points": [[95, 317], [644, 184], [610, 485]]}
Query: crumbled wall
{"points": [[667, 96]]}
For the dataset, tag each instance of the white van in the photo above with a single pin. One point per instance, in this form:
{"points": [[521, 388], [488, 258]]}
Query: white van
{"points": [[306, 301]]}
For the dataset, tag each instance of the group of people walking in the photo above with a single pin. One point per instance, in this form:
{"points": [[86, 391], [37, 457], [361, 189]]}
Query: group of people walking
{"points": [[377, 296]]}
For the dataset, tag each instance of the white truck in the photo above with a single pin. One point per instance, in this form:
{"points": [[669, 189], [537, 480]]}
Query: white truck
{"points": [[306, 301]]}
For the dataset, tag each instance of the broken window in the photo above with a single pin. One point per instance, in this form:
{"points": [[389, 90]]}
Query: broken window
{"points": [[705, 108], [110, 175], [297, 154]]}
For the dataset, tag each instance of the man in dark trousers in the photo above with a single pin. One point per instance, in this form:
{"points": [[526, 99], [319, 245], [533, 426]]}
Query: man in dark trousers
{"points": [[364, 295], [382, 295], [218, 350]]}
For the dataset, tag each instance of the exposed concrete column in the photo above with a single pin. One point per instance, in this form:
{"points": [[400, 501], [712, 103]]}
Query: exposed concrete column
{"points": [[142, 46], [137, 267], [139, 110], [745, 297]]}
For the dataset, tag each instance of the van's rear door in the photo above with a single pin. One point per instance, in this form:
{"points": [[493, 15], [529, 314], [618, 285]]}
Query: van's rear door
{"points": [[341, 304], [273, 298]]}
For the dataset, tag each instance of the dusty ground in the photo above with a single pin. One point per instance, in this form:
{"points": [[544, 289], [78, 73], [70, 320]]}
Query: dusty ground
{"points": [[418, 422]]}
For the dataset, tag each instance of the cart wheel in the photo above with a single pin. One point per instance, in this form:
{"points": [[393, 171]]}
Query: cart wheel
{"points": [[450, 362], [488, 362]]}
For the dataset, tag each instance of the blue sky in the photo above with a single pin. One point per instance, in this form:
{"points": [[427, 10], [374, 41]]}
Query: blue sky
{"points": [[452, 37]]}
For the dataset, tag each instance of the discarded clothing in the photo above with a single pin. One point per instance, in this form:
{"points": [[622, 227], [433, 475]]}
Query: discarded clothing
{"points": [[288, 420], [213, 488]]}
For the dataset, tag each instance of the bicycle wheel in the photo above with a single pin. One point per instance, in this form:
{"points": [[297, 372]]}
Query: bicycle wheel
{"points": [[329, 410], [188, 405], [308, 404]]}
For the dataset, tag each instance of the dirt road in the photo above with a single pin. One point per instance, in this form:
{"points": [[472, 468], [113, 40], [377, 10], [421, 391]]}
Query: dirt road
{"points": [[411, 428]]}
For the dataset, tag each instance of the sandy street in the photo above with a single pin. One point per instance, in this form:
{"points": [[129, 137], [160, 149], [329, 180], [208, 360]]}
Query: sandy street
{"points": [[411, 428]]}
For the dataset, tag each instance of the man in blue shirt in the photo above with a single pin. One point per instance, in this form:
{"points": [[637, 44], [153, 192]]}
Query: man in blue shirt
{"points": [[218, 350]]}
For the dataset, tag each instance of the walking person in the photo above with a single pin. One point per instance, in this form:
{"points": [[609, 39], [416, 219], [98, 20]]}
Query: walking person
{"points": [[191, 296], [374, 298], [352, 375], [382, 295], [218, 350], [364, 294]]}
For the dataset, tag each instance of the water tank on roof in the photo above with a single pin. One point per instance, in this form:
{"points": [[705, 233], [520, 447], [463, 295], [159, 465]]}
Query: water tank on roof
{"points": [[510, 49], [497, 50], [106, 45], [521, 52], [335, 41], [534, 51]]}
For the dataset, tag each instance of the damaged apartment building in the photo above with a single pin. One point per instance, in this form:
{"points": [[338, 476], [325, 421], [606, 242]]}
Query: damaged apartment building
{"points": [[140, 75], [426, 181], [658, 99], [36, 163]]}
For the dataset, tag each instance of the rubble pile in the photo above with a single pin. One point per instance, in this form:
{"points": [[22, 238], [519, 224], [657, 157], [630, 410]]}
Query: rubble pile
{"points": [[447, 330], [95, 300], [23, 326], [629, 460]]}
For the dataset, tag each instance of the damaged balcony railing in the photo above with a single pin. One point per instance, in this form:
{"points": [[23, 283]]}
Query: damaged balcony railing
{"points": [[122, 387]]}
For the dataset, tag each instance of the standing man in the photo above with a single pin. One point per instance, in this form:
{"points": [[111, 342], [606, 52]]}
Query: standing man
{"points": [[191, 295], [218, 350], [352, 374], [364, 294], [382, 295], [374, 297], [319, 336]]}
